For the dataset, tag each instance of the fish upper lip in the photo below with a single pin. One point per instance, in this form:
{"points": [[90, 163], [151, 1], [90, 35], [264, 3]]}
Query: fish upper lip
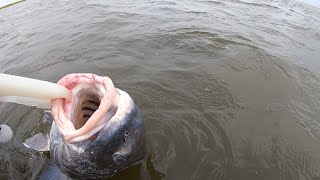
{"points": [[61, 109]]}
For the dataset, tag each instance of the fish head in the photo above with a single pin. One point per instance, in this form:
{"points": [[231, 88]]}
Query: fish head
{"points": [[124, 139], [100, 127]]}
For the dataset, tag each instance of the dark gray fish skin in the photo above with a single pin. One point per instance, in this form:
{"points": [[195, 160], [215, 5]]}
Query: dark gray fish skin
{"points": [[113, 150], [52, 172]]}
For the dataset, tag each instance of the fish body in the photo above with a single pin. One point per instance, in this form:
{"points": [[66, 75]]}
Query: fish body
{"points": [[97, 134]]}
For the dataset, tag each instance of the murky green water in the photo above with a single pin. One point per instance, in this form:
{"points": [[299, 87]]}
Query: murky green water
{"points": [[228, 89]]}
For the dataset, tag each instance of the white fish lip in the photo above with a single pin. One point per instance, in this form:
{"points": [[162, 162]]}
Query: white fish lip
{"points": [[66, 114]]}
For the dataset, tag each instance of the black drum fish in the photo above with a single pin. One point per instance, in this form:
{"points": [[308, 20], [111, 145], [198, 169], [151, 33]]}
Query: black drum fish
{"points": [[96, 134]]}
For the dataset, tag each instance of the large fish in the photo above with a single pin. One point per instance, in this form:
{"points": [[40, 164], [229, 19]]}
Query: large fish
{"points": [[96, 134]]}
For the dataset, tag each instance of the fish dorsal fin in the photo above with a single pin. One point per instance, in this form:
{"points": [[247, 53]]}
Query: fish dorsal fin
{"points": [[38, 142]]}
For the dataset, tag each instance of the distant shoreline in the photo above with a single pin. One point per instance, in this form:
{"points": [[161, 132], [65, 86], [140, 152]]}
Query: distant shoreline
{"points": [[10, 3]]}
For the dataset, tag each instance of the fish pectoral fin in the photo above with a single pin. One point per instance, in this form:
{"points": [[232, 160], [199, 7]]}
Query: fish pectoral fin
{"points": [[39, 142], [47, 117], [52, 172]]}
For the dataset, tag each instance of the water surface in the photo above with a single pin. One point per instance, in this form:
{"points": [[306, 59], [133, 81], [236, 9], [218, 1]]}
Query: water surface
{"points": [[228, 89]]}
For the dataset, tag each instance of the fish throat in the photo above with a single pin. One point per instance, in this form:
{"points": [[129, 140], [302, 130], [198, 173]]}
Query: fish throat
{"points": [[87, 103]]}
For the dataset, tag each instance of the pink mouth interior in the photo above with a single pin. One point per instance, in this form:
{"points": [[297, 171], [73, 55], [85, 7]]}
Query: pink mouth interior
{"points": [[94, 102], [88, 103]]}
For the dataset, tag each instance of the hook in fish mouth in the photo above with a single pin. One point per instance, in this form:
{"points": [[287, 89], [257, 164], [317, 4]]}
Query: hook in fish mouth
{"points": [[94, 102]]}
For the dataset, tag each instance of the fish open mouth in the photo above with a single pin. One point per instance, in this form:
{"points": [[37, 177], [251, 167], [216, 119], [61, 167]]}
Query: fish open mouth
{"points": [[94, 102], [88, 102]]}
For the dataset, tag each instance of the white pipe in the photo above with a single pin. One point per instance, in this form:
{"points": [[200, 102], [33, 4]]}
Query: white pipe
{"points": [[43, 104], [29, 91]]}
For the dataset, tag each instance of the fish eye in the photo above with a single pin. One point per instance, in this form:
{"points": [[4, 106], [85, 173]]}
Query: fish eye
{"points": [[126, 133]]}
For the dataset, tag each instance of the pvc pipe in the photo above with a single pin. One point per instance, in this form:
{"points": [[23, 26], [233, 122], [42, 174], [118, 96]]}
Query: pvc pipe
{"points": [[30, 92]]}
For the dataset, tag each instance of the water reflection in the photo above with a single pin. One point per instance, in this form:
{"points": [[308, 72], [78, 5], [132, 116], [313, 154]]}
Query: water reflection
{"points": [[138, 172]]}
